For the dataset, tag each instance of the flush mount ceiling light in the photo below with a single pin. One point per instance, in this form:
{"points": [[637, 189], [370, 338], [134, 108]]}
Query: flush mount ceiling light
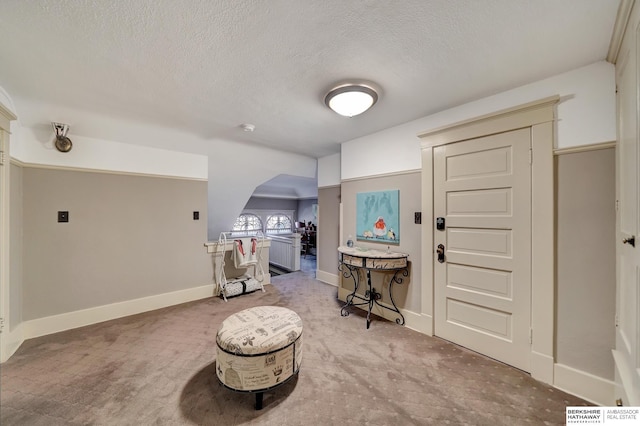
{"points": [[62, 143], [351, 99]]}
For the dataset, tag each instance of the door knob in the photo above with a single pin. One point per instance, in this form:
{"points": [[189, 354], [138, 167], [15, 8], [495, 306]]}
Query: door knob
{"points": [[631, 240], [440, 252]]}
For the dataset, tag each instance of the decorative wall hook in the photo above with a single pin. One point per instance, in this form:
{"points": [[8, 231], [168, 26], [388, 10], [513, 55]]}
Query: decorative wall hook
{"points": [[62, 143]]}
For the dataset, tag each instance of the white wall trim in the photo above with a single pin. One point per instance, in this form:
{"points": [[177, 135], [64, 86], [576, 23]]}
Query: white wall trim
{"points": [[20, 163], [619, 28], [519, 116], [381, 175], [6, 117], [539, 116], [69, 320], [284, 197], [543, 250], [427, 324], [11, 341], [542, 365], [7, 344], [585, 148], [427, 287], [330, 186], [418, 322], [328, 278], [584, 385], [625, 372]]}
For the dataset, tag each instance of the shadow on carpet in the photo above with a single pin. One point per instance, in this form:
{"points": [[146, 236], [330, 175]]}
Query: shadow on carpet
{"points": [[205, 401]]}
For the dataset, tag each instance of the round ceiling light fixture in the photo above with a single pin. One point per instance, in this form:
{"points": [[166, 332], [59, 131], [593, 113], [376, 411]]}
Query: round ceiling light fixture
{"points": [[351, 99]]}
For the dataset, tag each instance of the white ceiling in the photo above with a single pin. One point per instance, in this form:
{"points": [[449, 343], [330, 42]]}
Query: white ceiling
{"points": [[207, 66]]}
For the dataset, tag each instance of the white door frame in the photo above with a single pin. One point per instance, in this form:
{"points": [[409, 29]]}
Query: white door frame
{"points": [[626, 354], [540, 117], [7, 342]]}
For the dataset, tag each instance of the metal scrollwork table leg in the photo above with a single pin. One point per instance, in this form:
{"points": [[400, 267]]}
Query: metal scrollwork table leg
{"points": [[371, 296]]}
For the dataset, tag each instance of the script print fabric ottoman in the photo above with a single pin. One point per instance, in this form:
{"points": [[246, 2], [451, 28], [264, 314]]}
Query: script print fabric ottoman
{"points": [[259, 348]]}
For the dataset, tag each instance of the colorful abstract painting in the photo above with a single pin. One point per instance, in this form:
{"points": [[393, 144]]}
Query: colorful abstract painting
{"points": [[378, 216]]}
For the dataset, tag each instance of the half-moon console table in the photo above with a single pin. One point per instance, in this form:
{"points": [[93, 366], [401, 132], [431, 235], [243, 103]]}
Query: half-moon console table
{"points": [[354, 259]]}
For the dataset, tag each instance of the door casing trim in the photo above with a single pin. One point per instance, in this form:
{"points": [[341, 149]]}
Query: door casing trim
{"points": [[540, 117]]}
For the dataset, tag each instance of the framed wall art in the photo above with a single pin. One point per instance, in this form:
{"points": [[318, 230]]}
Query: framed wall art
{"points": [[378, 216]]}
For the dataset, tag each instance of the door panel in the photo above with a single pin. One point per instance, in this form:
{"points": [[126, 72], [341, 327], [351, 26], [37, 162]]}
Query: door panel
{"points": [[482, 187], [490, 162], [480, 280], [482, 202], [627, 351], [481, 242], [480, 319]]}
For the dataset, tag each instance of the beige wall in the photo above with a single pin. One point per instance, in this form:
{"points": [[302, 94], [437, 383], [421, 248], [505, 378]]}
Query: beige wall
{"points": [[586, 286], [128, 237], [328, 238], [408, 294], [133, 236]]}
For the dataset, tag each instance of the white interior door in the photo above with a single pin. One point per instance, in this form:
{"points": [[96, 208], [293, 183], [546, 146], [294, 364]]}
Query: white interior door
{"points": [[482, 189], [627, 352]]}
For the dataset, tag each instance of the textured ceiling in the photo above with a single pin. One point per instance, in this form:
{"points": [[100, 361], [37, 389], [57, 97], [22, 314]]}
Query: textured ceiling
{"points": [[207, 66]]}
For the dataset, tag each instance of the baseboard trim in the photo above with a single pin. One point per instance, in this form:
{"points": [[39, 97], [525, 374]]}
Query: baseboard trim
{"points": [[584, 385], [542, 367], [327, 278], [426, 324], [412, 319], [11, 341], [625, 372], [69, 320], [417, 322]]}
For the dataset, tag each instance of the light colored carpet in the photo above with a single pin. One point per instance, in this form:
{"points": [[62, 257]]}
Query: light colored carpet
{"points": [[159, 368]]}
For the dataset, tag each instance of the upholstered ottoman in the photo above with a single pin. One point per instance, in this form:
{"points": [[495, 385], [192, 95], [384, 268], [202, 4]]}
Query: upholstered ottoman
{"points": [[258, 349]]}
